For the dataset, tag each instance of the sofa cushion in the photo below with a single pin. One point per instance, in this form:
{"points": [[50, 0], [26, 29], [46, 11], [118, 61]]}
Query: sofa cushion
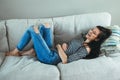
{"points": [[84, 22], [68, 27], [2, 30], [94, 69], [26, 67], [64, 29], [16, 28], [112, 44], [114, 39], [3, 37]]}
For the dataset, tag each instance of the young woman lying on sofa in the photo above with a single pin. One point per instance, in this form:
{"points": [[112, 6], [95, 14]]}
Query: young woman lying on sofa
{"points": [[87, 46]]}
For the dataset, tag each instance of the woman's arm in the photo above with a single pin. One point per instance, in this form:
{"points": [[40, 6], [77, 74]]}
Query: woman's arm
{"points": [[62, 54]]}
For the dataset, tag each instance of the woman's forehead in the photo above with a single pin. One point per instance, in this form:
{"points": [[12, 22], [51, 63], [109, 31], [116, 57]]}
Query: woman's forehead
{"points": [[96, 30]]}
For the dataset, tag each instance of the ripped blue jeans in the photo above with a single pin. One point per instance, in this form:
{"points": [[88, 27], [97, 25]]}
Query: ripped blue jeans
{"points": [[42, 42]]}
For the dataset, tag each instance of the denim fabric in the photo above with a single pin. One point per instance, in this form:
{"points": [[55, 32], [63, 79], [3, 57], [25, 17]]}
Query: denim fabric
{"points": [[42, 44]]}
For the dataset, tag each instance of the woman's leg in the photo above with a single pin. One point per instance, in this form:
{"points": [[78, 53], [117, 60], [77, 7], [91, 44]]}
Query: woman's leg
{"points": [[47, 34], [24, 40], [22, 43], [27, 37], [30, 52], [41, 48]]}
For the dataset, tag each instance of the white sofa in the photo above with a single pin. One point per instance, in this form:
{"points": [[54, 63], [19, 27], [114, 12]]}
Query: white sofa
{"points": [[64, 29]]}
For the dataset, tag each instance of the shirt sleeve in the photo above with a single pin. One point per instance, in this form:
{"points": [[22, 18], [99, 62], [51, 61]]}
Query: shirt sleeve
{"points": [[81, 53]]}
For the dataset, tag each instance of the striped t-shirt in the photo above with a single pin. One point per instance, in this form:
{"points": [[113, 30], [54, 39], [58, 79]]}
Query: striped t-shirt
{"points": [[76, 50]]}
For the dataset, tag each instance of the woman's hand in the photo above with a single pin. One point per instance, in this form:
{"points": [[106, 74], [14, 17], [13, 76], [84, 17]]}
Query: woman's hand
{"points": [[62, 54]]}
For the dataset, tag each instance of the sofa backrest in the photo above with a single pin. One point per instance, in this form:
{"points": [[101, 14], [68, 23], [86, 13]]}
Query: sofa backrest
{"points": [[3, 37], [64, 28]]}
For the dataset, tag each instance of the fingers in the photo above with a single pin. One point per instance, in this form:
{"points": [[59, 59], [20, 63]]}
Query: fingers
{"points": [[58, 45]]}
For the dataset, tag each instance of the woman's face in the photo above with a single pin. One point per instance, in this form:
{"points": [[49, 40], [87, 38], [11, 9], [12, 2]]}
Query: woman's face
{"points": [[93, 34]]}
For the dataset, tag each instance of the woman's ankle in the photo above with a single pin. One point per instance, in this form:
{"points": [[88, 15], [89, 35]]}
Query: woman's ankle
{"points": [[15, 52]]}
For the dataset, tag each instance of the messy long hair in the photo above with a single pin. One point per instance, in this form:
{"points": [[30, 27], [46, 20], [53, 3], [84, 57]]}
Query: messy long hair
{"points": [[96, 45]]}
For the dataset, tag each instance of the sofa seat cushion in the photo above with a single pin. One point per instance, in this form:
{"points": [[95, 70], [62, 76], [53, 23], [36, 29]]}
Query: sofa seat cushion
{"points": [[26, 67], [94, 69]]}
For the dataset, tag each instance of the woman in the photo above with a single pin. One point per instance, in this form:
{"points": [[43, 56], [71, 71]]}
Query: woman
{"points": [[88, 47]]}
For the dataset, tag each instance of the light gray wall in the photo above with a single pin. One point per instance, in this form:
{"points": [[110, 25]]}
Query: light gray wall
{"points": [[14, 9]]}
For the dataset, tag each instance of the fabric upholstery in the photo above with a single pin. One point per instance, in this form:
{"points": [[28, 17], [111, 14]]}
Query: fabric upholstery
{"points": [[3, 37], [26, 67], [86, 21], [64, 29], [15, 29], [105, 68]]}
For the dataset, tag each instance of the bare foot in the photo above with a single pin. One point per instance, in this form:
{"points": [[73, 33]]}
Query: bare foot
{"points": [[64, 46], [14, 52], [29, 52], [47, 25]]}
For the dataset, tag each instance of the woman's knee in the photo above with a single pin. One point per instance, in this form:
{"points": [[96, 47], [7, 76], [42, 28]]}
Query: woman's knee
{"points": [[30, 28], [41, 27]]}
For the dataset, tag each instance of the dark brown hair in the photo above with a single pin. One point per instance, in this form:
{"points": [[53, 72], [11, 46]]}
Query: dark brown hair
{"points": [[96, 45]]}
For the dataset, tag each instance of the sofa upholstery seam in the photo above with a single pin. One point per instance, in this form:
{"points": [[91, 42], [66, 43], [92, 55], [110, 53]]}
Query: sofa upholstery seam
{"points": [[60, 77], [53, 32], [75, 29], [7, 36]]}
